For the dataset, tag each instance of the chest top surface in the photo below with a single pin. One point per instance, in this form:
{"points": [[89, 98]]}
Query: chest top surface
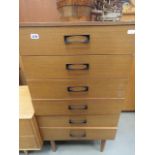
{"points": [[68, 24], [26, 110]]}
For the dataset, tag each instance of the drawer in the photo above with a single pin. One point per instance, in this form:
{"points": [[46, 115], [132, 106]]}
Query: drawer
{"points": [[28, 143], [77, 134], [25, 128], [76, 40], [79, 121], [78, 107], [78, 88], [86, 66]]}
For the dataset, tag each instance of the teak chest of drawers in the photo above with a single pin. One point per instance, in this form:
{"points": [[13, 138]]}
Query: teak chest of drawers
{"points": [[78, 76]]}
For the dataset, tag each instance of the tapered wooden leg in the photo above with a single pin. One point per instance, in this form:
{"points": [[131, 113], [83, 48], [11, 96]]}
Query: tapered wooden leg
{"points": [[53, 146], [25, 152], [102, 145]]}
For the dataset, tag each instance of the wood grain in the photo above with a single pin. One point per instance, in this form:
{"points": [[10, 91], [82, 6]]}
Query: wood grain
{"points": [[58, 88], [29, 135], [109, 53], [129, 105], [89, 134], [27, 143], [103, 40], [35, 127], [25, 127], [105, 66], [83, 120], [61, 107], [77, 23], [38, 11], [25, 104]]}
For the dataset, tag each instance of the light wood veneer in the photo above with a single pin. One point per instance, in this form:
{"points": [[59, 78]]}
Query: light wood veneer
{"points": [[79, 77]]}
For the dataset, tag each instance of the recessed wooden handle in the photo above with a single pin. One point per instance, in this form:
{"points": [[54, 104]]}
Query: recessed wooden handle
{"points": [[77, 107], [76, 89], [71, 121], [70, 39], [77, 66], [78, 135]]}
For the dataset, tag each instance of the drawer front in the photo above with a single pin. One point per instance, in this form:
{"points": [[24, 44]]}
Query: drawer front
{"points": [[42, 67], [25, 128], [76, 40], [77, 134], [78, 107], [78, 88], [79, 121], [28, 143]]}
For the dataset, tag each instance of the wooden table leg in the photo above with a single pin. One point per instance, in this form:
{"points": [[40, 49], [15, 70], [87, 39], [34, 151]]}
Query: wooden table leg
{"points": [[102, 145], [25, 152], [53, 146]]}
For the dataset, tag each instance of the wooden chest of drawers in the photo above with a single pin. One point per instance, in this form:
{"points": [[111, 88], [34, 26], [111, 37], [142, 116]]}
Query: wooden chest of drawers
{"points": [[78, 77]]}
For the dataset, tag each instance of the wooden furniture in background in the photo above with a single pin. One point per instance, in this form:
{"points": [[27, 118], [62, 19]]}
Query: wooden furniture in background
{"points": [[79, 76], [38, 10], [29, 135]]}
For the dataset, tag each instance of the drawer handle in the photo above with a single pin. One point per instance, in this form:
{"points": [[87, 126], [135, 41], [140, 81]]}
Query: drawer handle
{"points": [[78, 135], [78, 89], [77, 121], [69, 39], [77, 107], [77, 66]]}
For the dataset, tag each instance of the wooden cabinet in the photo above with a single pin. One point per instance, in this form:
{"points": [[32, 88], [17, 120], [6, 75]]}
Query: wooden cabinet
{"points": [[79, 77], [38, 10], [29, 134]]}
